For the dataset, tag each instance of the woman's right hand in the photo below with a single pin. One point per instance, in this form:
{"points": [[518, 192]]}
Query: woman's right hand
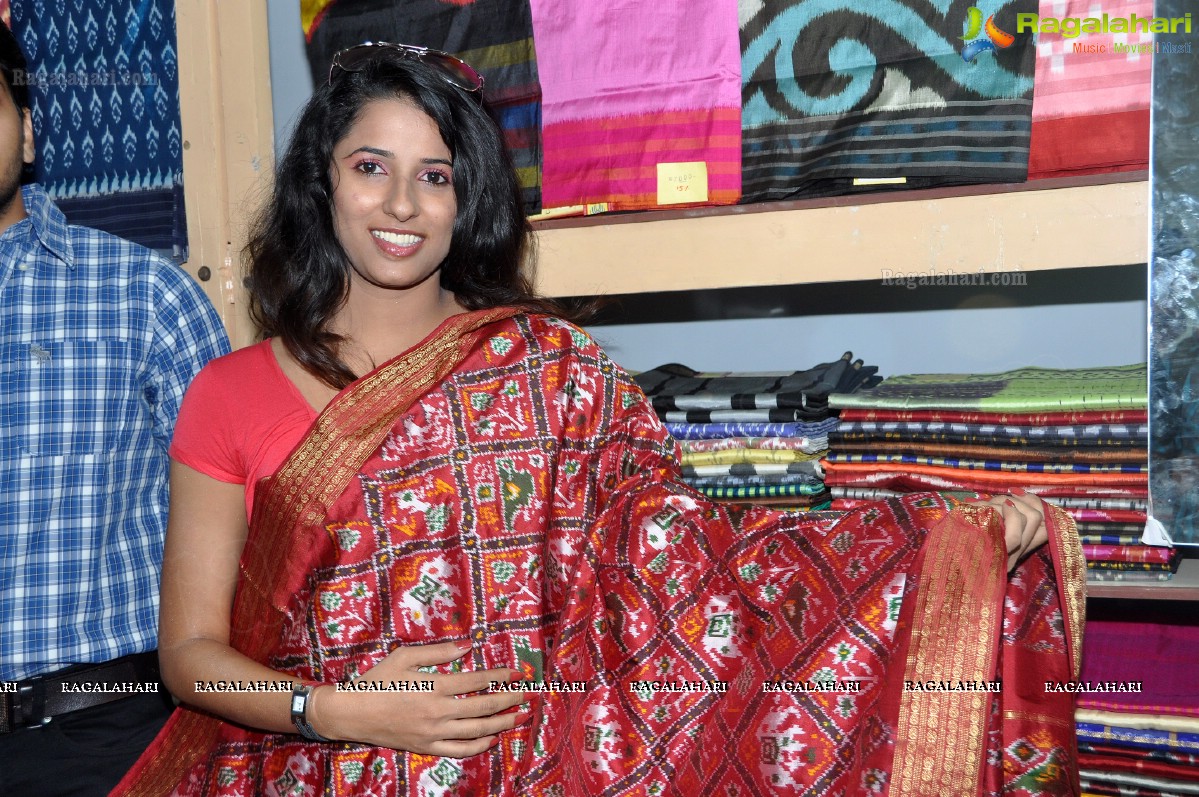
{"points": [[448, 721]]}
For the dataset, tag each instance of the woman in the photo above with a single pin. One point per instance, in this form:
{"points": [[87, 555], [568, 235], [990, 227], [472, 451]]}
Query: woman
{"points": [[450, 488]]}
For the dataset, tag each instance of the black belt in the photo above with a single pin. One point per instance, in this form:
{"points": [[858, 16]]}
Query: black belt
{"points": [[38, 700]]}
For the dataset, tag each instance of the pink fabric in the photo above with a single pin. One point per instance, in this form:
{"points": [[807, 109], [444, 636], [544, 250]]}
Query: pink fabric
{"points": [[240, 419], [1083, 84], [1090, 110], [627, 86], [1160, 657]]}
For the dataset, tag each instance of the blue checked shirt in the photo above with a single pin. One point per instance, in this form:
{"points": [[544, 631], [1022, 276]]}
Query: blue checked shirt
{"points": [[99, 338]]}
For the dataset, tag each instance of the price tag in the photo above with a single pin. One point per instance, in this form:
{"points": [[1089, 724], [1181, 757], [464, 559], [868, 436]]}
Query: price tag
{"points": [[682, 182]]}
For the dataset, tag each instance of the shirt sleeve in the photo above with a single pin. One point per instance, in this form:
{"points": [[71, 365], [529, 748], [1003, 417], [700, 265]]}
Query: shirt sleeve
{"points": [[187, 334]]}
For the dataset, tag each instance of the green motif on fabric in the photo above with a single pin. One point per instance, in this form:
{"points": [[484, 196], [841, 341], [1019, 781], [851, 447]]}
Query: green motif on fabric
{"points": [[437, 517], [572, 390], [580, 339], [500, 346], [770, 592], [225, 777], [842, 543], [845, 707], [844, 652], [751, 572], [629, 399], [480, 401], [446, 773], [348, 538], [503, 571], [529, 661], [658, 564], [720, 626], [333, 628], [1047, 778], [429, 589], [378, 766], [516, 490], [511, 389], [288, 783], [352, 771], [672, 587], [825, 675], [666, 517], [330, 601], [358, 589]]}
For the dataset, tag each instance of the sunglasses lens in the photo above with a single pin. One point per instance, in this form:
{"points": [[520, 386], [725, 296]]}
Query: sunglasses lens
{"points": [[353, 59], [450, 68], [457, 72]]}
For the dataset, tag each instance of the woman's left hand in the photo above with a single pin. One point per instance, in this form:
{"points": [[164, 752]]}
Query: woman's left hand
{"points": [[1023, 523]]}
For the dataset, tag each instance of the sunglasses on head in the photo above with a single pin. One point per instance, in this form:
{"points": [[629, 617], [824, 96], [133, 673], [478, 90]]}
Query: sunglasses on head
{"points": [[452, 69]]}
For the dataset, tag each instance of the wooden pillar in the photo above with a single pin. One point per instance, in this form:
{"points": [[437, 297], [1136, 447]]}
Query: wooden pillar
{"points": [[228, 142]]}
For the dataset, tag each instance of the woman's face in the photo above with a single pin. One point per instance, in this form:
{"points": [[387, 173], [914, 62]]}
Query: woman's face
{"points": [[393, 198]]}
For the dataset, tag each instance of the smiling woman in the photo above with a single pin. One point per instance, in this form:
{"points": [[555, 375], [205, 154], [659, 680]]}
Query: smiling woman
{"points": [[429, 477]]}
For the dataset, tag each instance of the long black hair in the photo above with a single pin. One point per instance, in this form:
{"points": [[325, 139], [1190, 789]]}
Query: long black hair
{"points": [[299, 273]]}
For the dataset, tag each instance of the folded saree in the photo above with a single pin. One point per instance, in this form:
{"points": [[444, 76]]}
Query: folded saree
{"points": [[992, 464], [677, 387], [1148, 739], [1012, 418], [1010, 453], [1094, 434], [817, 431], [1164, 661], [505, 483], [1024, 390], [801, 446]]}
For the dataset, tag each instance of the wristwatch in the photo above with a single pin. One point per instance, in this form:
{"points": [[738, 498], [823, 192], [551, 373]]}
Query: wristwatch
{"points": [[299, 713]]}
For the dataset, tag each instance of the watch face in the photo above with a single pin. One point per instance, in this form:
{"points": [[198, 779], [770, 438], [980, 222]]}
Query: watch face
{"points": [[297, 704]]}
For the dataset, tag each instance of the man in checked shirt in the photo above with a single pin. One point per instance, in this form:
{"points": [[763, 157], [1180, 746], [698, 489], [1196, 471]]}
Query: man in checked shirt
{"points": [[99, 338]]}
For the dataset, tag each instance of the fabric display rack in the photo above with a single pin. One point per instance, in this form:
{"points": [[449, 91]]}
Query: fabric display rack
{"points": [[1145, 742], [1075, 437], [754, 437], [595, 99]]}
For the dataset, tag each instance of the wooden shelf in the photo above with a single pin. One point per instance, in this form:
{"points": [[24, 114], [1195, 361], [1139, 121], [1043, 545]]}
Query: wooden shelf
{"points": [[1183, 587], [1013, 228]]}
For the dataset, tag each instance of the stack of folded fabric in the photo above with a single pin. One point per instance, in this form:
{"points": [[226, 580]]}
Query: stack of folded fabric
{"points": [[1077, 437], [754, 437], [1138, 714]]}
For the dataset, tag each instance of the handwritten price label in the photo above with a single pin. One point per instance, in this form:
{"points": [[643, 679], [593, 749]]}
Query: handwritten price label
{"points": [[679, 183]]}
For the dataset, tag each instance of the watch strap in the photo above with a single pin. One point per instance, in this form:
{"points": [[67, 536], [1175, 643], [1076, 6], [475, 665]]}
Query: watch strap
{"points": [[300, 695]]}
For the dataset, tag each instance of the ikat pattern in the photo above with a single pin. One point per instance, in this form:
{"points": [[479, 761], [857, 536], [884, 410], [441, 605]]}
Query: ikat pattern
{"points": [[530, 503], [104, 90]]}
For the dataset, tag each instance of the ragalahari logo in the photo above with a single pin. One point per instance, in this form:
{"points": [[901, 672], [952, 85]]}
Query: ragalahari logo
{"points": [[983, 36]]}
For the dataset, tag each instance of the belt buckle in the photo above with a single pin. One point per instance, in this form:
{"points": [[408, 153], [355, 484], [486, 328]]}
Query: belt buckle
{"points": [[28, 706]]}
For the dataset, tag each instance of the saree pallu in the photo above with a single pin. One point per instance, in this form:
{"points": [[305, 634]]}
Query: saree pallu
{"points": [[633, 86], [505, 483]]}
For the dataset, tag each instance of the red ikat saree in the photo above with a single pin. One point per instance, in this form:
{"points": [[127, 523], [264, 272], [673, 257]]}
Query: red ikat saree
{"points": [[504, 482]]}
